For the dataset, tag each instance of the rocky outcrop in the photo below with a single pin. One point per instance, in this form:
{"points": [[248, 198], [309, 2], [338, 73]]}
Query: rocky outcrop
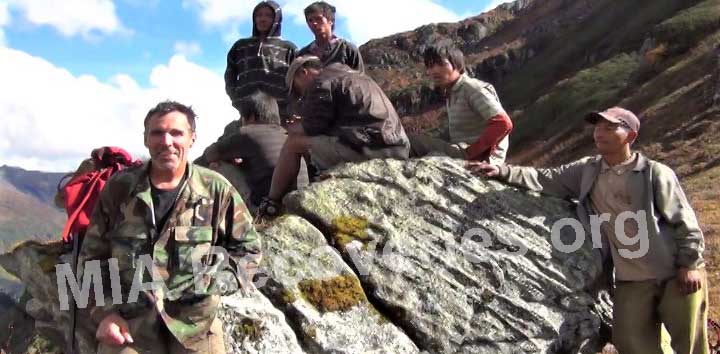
{"points": [[253, 326], [34, 264], [322, 296], [461, 264], [394, 256], [397, 50]]}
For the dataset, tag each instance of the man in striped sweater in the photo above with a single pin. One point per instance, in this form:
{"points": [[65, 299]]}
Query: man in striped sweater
{"points": [[478, 125]]}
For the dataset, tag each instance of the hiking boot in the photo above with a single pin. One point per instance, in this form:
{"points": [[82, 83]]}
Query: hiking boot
{"points": [[268, 209]]}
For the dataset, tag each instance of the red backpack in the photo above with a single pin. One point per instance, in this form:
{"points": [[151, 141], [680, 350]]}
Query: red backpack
{"points": [[83, 189]]}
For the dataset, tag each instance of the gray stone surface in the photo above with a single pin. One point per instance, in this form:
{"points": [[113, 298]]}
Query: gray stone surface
{"points": [[394, 257], [514, 294], [253, 326], [344, 321], [34, 264]]}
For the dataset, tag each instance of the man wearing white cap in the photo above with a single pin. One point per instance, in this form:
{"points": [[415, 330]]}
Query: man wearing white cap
{"points": [[647, 227], [346, 117]]}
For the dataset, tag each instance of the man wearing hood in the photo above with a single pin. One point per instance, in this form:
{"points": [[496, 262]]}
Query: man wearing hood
{"points": [[259, 63]]}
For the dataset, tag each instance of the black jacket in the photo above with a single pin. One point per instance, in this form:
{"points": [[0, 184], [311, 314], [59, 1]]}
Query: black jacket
{"points": [[259, 63], [348, 104], [342, 52]]}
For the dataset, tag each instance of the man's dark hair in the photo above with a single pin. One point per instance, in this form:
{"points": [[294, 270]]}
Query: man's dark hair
{"points": [[166, 107], [312, 64], [323, 8], [435, 55], [262, 106]]}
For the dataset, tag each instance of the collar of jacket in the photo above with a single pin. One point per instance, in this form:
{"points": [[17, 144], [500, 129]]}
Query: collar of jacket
{"points": [[636, 160], [194, 190], [458, 84], [640, 165], [591, 173]]}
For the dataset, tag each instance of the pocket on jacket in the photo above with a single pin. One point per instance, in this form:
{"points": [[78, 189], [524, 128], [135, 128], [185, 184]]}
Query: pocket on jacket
{"points": [[127, 247], [192, 242]]}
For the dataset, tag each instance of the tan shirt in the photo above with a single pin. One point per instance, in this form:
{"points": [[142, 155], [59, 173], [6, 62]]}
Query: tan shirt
{"points": [[610, 196]]}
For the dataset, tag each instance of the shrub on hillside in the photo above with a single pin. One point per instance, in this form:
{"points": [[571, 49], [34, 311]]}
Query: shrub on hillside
{"points": [[689, 26]]}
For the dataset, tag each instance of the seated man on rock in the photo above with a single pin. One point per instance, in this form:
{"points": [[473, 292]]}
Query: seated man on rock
{"points": [[478, 125], [250, 148], [636, 210], [346, 117]]}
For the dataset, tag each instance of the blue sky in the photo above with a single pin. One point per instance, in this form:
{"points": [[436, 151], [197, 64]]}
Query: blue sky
{"points": [[78, 74]]}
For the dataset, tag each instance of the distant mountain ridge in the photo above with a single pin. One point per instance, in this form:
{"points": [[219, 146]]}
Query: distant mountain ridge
{"points": [[26, 207], [41, 185]]}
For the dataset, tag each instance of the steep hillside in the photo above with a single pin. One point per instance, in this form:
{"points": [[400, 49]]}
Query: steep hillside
{"points": [[41, 185], [554, 60], [24, 217]]}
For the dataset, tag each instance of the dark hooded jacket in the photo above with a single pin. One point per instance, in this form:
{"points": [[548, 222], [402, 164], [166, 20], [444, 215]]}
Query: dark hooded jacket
{"points": [[260, 63]]}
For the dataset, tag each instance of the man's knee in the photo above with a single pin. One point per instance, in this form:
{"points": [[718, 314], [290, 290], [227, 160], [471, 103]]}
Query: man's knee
{"points": [[111, 349]]}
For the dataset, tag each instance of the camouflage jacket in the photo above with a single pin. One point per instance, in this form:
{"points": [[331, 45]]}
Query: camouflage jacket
{"points": [[208, 212]]}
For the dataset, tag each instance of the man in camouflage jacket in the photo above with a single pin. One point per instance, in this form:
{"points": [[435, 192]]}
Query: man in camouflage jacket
{"points": [[174, 236]]}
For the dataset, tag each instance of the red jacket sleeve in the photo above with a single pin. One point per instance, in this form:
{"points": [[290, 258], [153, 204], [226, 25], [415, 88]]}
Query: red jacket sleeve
{"points": [[498, 127]]}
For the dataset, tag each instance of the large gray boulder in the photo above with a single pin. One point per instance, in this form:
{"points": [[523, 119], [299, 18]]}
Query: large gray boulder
{"points": [[393, 256], [463, 265]]}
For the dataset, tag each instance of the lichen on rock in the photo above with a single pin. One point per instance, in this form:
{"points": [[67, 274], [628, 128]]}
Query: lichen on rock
{"points": [[335, 294]]}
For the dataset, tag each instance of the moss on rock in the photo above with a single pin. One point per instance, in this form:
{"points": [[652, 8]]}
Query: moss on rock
{"points": [[334, 294], [288, 297], [350, 228], [249, 328]]}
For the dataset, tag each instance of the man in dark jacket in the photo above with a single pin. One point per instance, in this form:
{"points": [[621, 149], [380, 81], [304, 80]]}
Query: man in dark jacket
{"points": [[259, 63], [320, 17], [346, 117], [249, 150]]}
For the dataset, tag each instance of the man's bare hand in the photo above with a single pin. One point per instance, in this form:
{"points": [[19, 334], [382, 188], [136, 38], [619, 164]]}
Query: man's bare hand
{"points": [[113, 330], [689, 280], [481, 168]]}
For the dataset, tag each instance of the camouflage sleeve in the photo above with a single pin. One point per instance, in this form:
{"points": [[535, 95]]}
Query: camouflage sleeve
{"points": [[239, 237], [96, 247]]}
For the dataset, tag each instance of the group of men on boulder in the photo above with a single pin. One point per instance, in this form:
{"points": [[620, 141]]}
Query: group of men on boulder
{"points": [[314, 109]]}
